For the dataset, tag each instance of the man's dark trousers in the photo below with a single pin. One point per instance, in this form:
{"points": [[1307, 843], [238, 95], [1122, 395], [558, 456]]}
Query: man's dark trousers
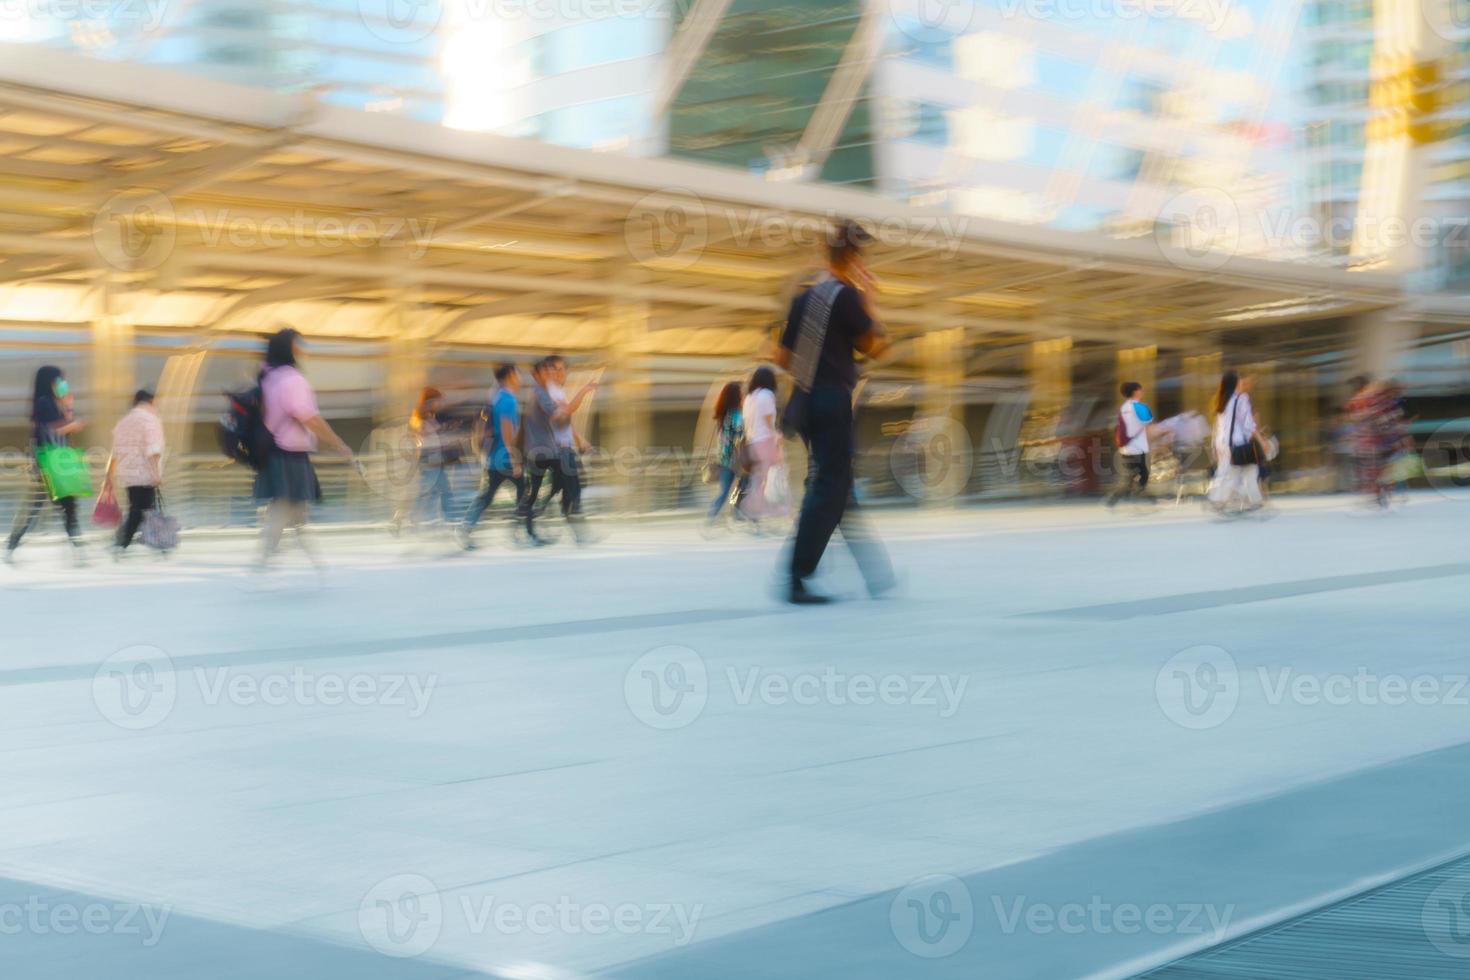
{"points": [[828, 502], [490, 483]]}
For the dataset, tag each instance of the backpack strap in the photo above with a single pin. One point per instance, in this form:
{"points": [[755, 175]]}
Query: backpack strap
{"points": [[815, 317]]}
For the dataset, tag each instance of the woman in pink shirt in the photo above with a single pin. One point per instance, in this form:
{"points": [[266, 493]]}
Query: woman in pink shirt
{"points": [[288, 482]]}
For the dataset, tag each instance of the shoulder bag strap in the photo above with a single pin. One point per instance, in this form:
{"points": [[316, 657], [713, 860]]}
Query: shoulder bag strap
{"points": [[814, 319]]}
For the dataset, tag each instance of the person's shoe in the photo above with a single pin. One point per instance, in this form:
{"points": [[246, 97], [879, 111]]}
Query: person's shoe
{"points": [[883, 587], [463, 539], [117, 551], [800, 595], [10, 556], [78, 556]]}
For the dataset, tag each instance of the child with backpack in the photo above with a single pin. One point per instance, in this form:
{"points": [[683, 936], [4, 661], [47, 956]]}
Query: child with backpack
{"points": [[1130, 437]]}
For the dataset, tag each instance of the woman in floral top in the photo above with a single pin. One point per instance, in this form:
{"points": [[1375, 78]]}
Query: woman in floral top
{"points": [[727, 417]]}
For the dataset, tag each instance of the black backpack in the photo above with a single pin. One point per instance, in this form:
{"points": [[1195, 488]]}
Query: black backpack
{"points": [[241, 431]]}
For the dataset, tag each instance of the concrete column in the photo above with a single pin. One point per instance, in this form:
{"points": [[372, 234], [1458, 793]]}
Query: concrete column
{"points": [[1380, 341], [1139, 364], [1049, 372], [1201, 381], [627, 421], [408, 361], [941, 437], [113, 378]]}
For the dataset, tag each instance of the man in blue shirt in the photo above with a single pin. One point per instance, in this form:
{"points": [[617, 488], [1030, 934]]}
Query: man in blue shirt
{"points": [[500, 421]]}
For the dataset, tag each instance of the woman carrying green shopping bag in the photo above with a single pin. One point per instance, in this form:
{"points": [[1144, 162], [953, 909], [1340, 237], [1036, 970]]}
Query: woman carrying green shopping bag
{"points": [[59, 473]]}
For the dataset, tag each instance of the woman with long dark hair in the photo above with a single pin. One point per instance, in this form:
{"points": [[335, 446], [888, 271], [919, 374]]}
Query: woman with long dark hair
{"points": [[728, 431], [1237, 447], [51, 425], [288, 481], [763, 442]]}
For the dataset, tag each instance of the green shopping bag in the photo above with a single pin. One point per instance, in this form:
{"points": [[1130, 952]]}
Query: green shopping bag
{"points": [[64, 472]]}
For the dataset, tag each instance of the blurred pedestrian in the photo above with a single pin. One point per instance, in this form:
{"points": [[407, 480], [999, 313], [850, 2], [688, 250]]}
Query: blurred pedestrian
{"points": [[136, 465], [1377, 433], [1131, 439], [500, 421], [728, 434], [1238, 452], [288, 481], [826, 324], [434, 450], [763, 444], [52, 425], [551, 440]]}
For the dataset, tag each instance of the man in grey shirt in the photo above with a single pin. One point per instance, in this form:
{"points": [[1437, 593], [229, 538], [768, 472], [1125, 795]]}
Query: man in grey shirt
{"points": [[550, 444]]}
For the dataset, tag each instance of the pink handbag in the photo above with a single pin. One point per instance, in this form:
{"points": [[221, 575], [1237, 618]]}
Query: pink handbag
{"points": [[106, 512]]}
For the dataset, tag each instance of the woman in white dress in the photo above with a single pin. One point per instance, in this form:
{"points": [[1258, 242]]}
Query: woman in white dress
{"points": [[1236, 485], [764, 442]]}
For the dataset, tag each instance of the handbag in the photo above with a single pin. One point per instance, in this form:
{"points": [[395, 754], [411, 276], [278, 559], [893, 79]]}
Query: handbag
{"points": [[107, 513], [811, 338], [159, 529], [1248, 454], [63, 471]]}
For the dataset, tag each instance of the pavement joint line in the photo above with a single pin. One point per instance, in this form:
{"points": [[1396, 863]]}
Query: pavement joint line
{"points": [[429, 641], [1214, 599], [885, 755]]}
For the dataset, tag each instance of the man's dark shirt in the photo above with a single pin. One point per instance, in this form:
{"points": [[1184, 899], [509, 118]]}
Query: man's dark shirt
{"points": [[849, 322]]}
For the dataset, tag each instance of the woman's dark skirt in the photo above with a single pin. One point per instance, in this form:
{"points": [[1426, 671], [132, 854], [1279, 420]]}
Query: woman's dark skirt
{"points": [[288, 476]]}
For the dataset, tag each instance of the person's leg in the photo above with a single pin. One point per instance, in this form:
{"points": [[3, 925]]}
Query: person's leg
{"points": [[571, 484], [68, 506], [754, 505], [296, 516], [727, 479], [27, 513], [277, 514], [140, 501], [1123, 479], [524, 514], [829, 478], [489, 483]]}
